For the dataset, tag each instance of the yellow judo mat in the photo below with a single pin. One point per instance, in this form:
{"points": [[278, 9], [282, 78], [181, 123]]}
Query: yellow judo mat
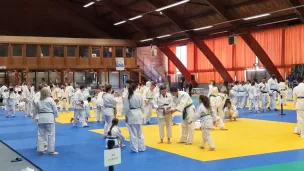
{"points": [[245, 137]]}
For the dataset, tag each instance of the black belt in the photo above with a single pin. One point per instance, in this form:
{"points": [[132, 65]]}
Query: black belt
{"points": [[131, 108], [264, 92], [300, 97], [185, 111]]}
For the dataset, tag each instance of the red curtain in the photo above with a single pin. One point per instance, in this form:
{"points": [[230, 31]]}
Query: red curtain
{"points": [[205, 77], [223, 51], [203, 62], [245, 58], [171, 66], [271, 42], [294, 45], [190, 57], [240, 75]]}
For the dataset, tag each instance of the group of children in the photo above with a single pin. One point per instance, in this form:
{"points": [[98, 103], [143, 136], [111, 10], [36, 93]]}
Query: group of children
{"points": [[260, 96]]}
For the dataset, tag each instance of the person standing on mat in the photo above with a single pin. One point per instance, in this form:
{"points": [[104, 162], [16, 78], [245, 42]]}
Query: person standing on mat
{"points": [[273, 92], [109, 107], [161, 103], [148, 98], [283, 87], [182, 102], [79, 108], [46, 112], [133, 110], [298, 99], [10, 102], [264, 94], [100, 106]]}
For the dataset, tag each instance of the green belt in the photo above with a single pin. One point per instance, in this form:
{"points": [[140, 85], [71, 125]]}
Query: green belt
{"points": [[185, 112], [204, 115], [211, 95]]}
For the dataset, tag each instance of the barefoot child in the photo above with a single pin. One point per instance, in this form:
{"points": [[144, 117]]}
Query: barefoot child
{"points": [[87, 108], [231, 111], [208, 120]]}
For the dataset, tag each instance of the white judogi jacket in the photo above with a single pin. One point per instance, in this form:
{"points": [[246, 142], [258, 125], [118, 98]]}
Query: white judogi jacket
{"points": [[116, 133], [125, 93], [283, 87], [86, 108], [10, 99], [100, 99], [37, 96], [149, 95], [45, 111], [140, 90], [221, 100], [253, 92], [109, 104], [206, 116], [232, 111], [183, 102], [273, 85], [70, 90], [162, 101], [78, 98], [242, 90], [298, 97], [133, 109], [17, 89]]}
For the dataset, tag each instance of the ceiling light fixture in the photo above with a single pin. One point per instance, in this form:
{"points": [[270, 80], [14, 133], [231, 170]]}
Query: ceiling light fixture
{"points": [[160, 13], [89, 4], [167, 35], [202, 28], [134, 18], [172, 5], [145, 40], [277, 22], [119, 23], [256, 16], [218, 32]]}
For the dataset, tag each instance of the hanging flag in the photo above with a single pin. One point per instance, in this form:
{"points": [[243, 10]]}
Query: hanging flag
{"points": [[120, 64]]}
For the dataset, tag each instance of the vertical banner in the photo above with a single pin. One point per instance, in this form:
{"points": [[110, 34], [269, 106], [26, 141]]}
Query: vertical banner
{"points": [[120, 64]]}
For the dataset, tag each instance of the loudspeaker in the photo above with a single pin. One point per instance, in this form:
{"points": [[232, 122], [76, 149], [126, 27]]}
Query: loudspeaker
{"points": [[232, 40]]}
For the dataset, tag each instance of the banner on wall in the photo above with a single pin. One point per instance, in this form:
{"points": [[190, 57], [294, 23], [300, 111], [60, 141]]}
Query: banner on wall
{"points": [[120, 64]]}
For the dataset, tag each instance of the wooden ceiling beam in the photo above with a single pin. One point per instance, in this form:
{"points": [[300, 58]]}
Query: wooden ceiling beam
{"points": [[200, 44], [125, 15], [74, 8], [299, 11], [247, 37]]}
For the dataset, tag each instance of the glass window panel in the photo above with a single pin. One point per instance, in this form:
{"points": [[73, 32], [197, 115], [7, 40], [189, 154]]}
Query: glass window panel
{"points": [[71, 51], [95, 52], [45, 50], [118, 51], [17, 50], [3, 50], [107, 52], [130, 52], [31, 50], [58, 51], [181, 53], [83, 51]]}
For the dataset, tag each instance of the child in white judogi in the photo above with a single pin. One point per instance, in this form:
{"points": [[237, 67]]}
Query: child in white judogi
{"points": [[215, 103], [242, 95], [283, 87], [253, 97], [115, 133], [100, 106], [233, 94], [231, 111], [87, 108], [264, 89], [64, 95], [162, 102], [119, 106], [148, 98], [204, 112], [10, 102], [220, 103]]}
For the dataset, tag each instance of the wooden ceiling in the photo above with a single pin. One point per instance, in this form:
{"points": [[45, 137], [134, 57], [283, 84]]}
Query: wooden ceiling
{"points": [[68, 18]]}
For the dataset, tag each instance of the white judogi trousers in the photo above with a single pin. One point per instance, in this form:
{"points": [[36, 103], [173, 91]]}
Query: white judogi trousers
{"points": [[10, 109], [264, 100], [64, 104], [136, 138], [188, 129], [273, 98], [108, 123], [219, 117], [254, 103], [299, 129], [241, 101], [284, 98], [162, 122], [80, 114], [207, 124], [147, 112], [46, 132], [28, 108], [99, 114]]}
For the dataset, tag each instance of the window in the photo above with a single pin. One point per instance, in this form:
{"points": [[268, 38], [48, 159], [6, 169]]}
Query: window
{"points": [[130, 52], [83, 51], [95, 52], [17, 50], [3, 50], [118, 51], [31, 50], [107, 52], [58, 51], [71, 51], [181, 53], [45, 50]]}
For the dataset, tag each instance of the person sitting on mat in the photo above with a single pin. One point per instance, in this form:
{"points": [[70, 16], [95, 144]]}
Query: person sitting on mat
{"points": [[231, 111], [115, 132]]}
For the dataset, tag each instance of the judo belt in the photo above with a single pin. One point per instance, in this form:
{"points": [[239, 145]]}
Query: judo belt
{"points": [[133, 108], [211, 95], [164, 111], [185, 111], [275, 90], [300, 97], [204, 115], [264, 92]]}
